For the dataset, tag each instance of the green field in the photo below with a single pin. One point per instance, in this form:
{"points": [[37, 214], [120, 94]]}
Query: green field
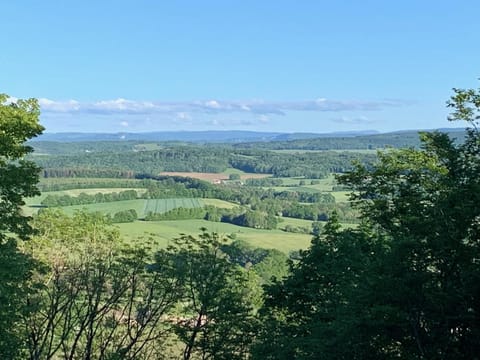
{"points": [[324, 185], [110, 207], [32, 204], [75, 180], [294, 222], [164, 231], [141, 206], [219, 203], [160, 206]]}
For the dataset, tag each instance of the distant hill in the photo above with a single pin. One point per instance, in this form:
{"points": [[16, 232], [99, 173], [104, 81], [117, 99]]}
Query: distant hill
{"points": [[233, 136], [183, 136], [398, 139], [70, 143]]}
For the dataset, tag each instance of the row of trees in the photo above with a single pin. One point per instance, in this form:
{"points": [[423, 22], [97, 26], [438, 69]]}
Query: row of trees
{"points": [[84, 199], [240, 216]]}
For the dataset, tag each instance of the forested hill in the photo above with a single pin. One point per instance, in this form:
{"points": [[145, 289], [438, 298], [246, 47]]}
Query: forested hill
{"points": [[242, 139], [401, 139], [313, 158], [196, 158]]}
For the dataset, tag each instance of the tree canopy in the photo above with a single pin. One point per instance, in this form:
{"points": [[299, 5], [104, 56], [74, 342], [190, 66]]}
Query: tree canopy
{"points": [[405, 283], [18, 179]]}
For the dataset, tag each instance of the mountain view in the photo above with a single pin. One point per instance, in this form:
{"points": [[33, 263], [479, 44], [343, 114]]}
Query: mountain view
{"points": [[239, 180]]}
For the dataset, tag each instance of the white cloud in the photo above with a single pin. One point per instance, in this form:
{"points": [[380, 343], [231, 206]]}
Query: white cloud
{"points": [[352, 120], [212, 104], [124, 123], [183, 116], [184, 110], [59, 106], [264, 118]]}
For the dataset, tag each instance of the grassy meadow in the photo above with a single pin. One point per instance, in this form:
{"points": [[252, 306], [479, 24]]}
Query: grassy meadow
{"points": [[164, 231]]}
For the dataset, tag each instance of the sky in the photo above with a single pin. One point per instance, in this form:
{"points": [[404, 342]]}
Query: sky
{"points": [[271, 65]]}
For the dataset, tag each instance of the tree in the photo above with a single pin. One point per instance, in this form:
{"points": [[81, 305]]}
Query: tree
{"points": [[406, 283], [97, 297], [18, 179], [217, 306]]}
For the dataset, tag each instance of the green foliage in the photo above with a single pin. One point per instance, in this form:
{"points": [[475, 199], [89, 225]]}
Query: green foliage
{"points": [[466, 106], [18, 179], [96, 297], [218, 298], [125, 216], [345, 145], [296, 229], [15, 274], [405, 283], [264, 182], [58, 184], [193, 158], [179, 213], [84, 199], [254, 219], [267, 263], [306, 313]]}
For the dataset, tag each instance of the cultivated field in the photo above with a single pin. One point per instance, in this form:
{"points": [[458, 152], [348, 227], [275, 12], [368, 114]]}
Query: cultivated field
{"points": [[324, 185], [141, 206], [163, 205]]}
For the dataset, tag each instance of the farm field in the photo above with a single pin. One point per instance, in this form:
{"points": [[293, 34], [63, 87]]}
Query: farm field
{"points": [[32, 204], [110, 207], [163, 205], [76, 192], [141, 206], [294, 222], [164, 231], [75, 180], [219, 203], [324, 185]]}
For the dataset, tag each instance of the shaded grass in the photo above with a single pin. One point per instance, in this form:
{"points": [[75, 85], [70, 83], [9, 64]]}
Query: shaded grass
{"points": [[219, 203]]}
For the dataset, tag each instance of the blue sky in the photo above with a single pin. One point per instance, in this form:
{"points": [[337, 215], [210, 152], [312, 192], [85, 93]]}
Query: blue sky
{"points": [[289, 66]]}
